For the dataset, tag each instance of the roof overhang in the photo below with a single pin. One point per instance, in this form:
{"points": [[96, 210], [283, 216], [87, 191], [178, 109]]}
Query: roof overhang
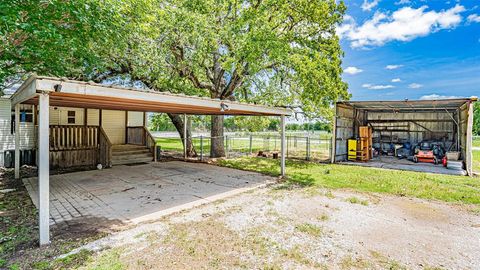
{"points": [[69, 93], [410, 105]]}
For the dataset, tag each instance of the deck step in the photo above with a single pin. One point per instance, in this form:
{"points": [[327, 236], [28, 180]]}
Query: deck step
{"points": [[130, 154], [131, 161], [134, 156], [127, 147]]}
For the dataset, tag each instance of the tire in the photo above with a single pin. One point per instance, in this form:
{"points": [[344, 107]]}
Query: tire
{"points": [[415, 159]]}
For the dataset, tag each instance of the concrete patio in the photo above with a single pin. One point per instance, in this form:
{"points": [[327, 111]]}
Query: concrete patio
{"points": [[133, 194]]}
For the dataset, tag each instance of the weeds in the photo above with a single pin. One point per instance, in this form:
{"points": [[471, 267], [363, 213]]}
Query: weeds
{"points": [[356, 200], [310, 229]]}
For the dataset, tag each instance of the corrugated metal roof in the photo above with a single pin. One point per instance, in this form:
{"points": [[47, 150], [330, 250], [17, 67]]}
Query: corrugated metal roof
{"points": [[409, 105], [93, 95]]}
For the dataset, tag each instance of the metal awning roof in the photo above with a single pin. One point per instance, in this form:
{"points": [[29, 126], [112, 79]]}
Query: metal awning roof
{"points": [[70, 93], [409, 105]]}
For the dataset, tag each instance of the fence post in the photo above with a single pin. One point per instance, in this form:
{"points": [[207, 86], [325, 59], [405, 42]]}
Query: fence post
{"points": [[201, 147], [250, 146], [288, 142], [226, 146], [308, 147]]}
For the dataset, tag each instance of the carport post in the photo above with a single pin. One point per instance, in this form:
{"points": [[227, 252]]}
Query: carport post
{"points": [[282, 156], [43, 169], [17, 141], [184, 135]]}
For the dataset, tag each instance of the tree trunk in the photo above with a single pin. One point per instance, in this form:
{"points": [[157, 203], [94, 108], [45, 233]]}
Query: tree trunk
{"points": [[217, 139], [177, 120]]}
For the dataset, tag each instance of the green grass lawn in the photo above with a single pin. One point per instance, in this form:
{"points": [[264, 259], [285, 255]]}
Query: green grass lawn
{"points": [[170, 144], [403, 183], [476, 143], [319, 149], [476, 161]]}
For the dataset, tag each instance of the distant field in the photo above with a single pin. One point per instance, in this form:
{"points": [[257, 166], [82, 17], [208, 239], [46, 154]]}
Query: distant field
{"points": [[476, 161]]}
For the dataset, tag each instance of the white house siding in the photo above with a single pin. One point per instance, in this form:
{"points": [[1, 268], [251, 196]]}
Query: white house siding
{"points": [[113, 122], [93, 117], [7, 139], [135, 119], [59, 116]]}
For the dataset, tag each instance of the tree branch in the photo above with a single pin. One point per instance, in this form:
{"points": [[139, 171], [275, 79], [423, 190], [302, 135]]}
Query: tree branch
{"points": [[185, 71]]}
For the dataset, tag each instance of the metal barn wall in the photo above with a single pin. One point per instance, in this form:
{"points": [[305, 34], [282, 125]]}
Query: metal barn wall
{"points": [[344, 130], [414, 127], [466, 125]]}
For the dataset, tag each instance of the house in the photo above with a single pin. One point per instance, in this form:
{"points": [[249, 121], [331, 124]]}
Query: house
{"points": [[72, 123], [75, 133]]}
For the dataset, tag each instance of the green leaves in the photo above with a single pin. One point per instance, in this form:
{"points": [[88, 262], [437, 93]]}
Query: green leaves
{"points": [[275, 52], [57, 37]]}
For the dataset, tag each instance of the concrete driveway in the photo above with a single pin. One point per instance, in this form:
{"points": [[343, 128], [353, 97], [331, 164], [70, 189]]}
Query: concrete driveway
{"points": [[141, 192]]}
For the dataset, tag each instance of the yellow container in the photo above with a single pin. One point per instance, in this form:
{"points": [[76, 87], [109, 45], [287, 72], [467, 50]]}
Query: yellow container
{"points": [[352, 149]]}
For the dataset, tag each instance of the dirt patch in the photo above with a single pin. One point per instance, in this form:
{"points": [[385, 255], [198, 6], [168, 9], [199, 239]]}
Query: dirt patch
{"points": [[275, 228]]}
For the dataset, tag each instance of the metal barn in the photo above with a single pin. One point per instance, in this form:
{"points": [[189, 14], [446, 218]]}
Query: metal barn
{"points": [[448, 121]]}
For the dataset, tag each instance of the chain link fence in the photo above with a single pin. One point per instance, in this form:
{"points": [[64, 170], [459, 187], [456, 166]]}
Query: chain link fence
{"points": [[316, 148]]}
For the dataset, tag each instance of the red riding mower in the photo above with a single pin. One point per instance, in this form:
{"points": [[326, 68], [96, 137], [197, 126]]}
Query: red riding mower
{"points": [[428, 152]]}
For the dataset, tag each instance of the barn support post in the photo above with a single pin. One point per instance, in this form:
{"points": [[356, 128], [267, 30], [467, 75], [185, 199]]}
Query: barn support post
{"points": [[333, 143], [469, 140], [185, 135], [43, 169], [17, 141], [283, 148]]}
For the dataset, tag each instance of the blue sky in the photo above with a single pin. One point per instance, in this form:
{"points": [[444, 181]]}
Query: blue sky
{"points": [[397, 49]]}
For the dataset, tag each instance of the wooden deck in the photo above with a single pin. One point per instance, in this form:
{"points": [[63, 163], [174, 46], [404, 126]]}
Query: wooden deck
{"points": [[87, 146]]}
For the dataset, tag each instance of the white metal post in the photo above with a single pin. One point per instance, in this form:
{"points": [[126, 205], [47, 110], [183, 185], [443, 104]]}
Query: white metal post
{"points": [[43, 169], [282, 159], [184, 135], [17, 141], [201, 147]]}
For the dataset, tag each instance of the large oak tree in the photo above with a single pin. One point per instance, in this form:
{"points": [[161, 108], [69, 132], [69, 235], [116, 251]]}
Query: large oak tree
{"points": [[275, 52]]}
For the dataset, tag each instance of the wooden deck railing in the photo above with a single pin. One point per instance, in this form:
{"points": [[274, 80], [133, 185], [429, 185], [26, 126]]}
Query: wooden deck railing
{"points": [[150, 143], [73, 137], [105, 149], [90, 145]]}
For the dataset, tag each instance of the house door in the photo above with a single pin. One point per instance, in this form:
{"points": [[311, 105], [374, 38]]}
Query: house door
{"points": [[113, 122]]}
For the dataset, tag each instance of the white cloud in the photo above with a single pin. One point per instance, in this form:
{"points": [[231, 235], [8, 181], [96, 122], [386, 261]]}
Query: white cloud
{"points": [[352, 70], [367, 6], [473, 18], [396, 80], [405, 24], [403, 2], [415, 85], [377, 87], [391, 67], [436, 97]]}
